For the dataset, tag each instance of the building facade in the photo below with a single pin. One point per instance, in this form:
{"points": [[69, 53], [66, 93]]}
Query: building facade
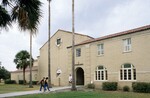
{"points": [[121, 57], [18, 74]]}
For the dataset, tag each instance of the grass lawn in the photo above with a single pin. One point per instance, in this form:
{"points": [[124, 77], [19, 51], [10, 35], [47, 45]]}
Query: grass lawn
{"points": [[7, 88], [89, 94]]}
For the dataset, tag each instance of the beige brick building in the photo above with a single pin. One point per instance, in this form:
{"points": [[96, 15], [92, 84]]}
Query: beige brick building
{"points": [[122, 57]]}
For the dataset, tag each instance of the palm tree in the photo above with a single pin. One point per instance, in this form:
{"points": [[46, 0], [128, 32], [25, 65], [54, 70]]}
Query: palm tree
{"points": [[22, 61], [5, 18], [49, 34], [27, 13], [73, 62]]}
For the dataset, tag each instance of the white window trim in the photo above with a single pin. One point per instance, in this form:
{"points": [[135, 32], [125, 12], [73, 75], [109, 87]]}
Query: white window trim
{"points": [[100, 50], [96, 72], [127, 47], [60, 42], [132, 74]]}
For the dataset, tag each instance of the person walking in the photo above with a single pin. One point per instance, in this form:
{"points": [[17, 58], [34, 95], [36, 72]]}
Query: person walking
{"points": [[46, 84], [42, 84], [70, 79]]}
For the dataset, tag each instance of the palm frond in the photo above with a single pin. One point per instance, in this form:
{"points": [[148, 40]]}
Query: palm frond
{"points": [[5, 18]]}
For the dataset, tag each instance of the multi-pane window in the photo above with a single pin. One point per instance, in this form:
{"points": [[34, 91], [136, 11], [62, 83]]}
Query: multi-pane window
{"points": [[100, 48], [127, 44], [100, 73], [78, 52], [127, 72]]}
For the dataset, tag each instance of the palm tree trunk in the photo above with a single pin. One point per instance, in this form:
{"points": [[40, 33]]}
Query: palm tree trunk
{"points": [[73, 37], [49, 59], [30, 84]]}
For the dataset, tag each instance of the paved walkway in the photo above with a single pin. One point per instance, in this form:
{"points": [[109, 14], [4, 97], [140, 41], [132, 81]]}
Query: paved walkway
{"points": [[31, 92]]}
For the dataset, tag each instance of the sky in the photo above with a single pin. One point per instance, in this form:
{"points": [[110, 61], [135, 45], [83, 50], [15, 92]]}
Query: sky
{"points": [[95, 18]]}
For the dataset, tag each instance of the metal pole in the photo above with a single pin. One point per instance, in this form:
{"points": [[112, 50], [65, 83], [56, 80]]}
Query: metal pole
{"points": [[49, 59], [73, 60]]}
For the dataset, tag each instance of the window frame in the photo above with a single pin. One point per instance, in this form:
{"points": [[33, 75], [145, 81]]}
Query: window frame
{"points": [[127, 73], [100, 49], [78, 52], [127, 45], [101, 74], [58, 41]]}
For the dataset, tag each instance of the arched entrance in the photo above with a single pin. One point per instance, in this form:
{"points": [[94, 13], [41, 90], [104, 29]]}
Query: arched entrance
{"points": [[79, 76]]}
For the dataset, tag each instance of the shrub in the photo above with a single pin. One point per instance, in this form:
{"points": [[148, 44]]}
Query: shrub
{"points": [[21, 81], [34, 82], [110, 86], [91, 85], [142, 87], [8, 81], [126, 88]]}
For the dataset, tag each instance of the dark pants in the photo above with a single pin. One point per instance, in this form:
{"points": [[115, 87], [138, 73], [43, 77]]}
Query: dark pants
{"points": [[46, 86], [41, 86]]}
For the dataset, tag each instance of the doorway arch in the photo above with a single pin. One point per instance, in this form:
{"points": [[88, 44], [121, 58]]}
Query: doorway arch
{"points": [[79, 76]]}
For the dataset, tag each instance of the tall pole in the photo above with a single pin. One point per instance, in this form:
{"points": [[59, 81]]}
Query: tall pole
{"points": [[49, 59], [30, 85], [73, 60]]}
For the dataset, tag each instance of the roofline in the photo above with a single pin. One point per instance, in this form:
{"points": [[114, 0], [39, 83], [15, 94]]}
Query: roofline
{"points": [[67, 32], [131, 31]]}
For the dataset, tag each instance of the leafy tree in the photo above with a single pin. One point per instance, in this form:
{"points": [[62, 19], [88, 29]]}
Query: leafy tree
{"points": [[4, 73], [22, 61]]}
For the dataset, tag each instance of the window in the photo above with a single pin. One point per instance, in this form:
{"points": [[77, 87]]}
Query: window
{"points": [[100, 73], [78, 52], [127, 72], [58, 42], [100, 49], [127, 45]]}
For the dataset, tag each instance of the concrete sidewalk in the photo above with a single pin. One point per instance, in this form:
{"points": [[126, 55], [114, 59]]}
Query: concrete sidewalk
{"points": [[6, 95]]}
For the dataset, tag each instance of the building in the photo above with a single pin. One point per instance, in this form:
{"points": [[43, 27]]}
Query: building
{"points": [[18, 74], [122, 57]]}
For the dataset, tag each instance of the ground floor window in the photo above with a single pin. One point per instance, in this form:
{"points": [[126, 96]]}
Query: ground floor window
{"points": [[100, 73], [127, 72]]}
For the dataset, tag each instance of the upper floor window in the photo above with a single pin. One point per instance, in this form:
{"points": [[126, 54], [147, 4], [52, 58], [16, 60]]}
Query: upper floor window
{"points": [[101, 73], [58, 41], [78, 52], [127, 44], [100, 48], [127, 72]]}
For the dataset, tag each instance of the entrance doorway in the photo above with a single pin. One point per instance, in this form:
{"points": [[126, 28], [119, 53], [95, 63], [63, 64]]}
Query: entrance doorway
{"points": [[79, 76]]}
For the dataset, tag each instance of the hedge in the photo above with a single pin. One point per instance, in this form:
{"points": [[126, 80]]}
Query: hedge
{"points": [[110, 86], [8, 81], [21, 81], [142, 87], [91, 86]]}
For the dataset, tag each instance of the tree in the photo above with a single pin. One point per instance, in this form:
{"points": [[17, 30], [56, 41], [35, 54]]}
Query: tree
{"points": [[4, 73], [22, 61], [49, 35], [73, 59], [5, 18], [27, 14]]}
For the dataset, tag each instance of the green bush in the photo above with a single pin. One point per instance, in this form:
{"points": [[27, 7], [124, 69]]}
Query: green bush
{"points": [[8, 81], [110, 86], [21, 81], [34, 82], [126, 88], [91, 85], [142, 87]]}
